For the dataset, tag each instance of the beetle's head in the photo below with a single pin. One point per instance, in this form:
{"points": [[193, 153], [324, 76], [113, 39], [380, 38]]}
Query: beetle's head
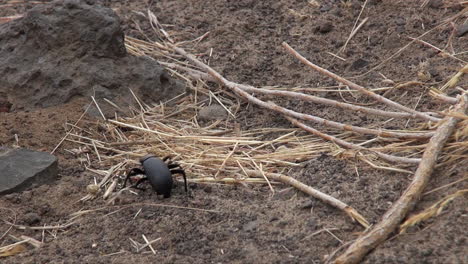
{"points": [[144, 158]]}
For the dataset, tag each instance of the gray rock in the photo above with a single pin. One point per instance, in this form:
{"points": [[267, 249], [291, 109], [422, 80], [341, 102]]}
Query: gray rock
{"points": [[67, 49], [212, 112], [462, 29], [21, 169], [325, 27], [31, 218]]}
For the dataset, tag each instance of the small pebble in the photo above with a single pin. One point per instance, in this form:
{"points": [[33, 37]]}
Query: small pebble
{"points": [[325, 27], [31, 218], [92, 189], [462, 29], [435, 4], [212, 112], [208, 189], [359, 64]]}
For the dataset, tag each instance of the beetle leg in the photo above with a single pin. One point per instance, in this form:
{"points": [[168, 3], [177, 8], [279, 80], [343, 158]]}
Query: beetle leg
{"points": [[183, 174], [166, 158], [173, 166], [132, 172], [138, 182]]}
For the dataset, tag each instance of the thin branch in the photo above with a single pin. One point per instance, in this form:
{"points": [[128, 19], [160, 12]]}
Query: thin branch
{"points": [[432, 211], [314, 193], [407, 201], [325, 101], [343, 143], [363, 90], [310, 98], [438, 49], [22, 227], [272, 106], [71, 129], [355, 29], [442, 97]]}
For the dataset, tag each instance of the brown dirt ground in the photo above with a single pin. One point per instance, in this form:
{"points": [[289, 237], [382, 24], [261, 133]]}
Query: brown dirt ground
{"points": [[251, 225]]}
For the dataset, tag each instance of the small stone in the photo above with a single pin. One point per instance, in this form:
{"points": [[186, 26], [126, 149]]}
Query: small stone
{"points": [[307, 204], [325, 27], [92, 189], [325, 8], [359, 64], [5, 106], [21, 169], [208, 189], [462, 29], [436, 4], [212, 112], [392, 41], [400, 21], [31, 218]]}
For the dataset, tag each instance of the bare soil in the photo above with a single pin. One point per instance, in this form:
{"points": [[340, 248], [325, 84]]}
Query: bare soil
{"points": [[250, 225]]}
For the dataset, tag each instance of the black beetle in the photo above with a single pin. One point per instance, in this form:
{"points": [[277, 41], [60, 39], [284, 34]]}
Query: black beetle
{"points": [[158, 173]]}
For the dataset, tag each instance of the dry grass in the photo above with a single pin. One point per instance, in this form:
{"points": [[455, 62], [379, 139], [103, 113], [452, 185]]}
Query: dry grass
{"points": [[224, 151], [432, 211]]}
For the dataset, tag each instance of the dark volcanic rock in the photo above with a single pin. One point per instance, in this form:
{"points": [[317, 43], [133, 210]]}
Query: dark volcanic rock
{"points": [[21, 169], [66, 49]]}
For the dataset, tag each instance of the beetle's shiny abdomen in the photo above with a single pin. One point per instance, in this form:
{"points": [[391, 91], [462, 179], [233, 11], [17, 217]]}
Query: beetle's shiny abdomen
{"points": [[159, 176]]}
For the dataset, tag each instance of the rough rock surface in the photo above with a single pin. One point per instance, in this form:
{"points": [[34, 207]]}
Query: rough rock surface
{"points": [[21, 169], [68, 49]]}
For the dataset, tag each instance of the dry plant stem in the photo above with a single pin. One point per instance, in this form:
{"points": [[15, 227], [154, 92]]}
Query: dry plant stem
{"points": [[34, 242], [355, 29], [314, 193], [9, 228], [9, 247], [444, 98], [22, 227], [110, 173], [9, 18], [119, 207], [358, 87], [216, 77], [320, 100], [343, 143], [310, 98], [406, 202], [432, 211], [274, 107], [436, 48], [69, 131]]}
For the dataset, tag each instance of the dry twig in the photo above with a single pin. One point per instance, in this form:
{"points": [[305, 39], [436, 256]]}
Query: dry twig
{"points": [[351, 212], [432, 211], [406, 202], [241, 91], [363, 90]]}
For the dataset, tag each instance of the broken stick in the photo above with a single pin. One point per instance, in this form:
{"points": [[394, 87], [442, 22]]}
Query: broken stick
{"points": [[407, 201], [350, 211]]}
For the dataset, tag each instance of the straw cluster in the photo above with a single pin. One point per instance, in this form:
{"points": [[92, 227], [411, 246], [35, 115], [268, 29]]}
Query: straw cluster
{"points": [[217, 152], [221, 152]]}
